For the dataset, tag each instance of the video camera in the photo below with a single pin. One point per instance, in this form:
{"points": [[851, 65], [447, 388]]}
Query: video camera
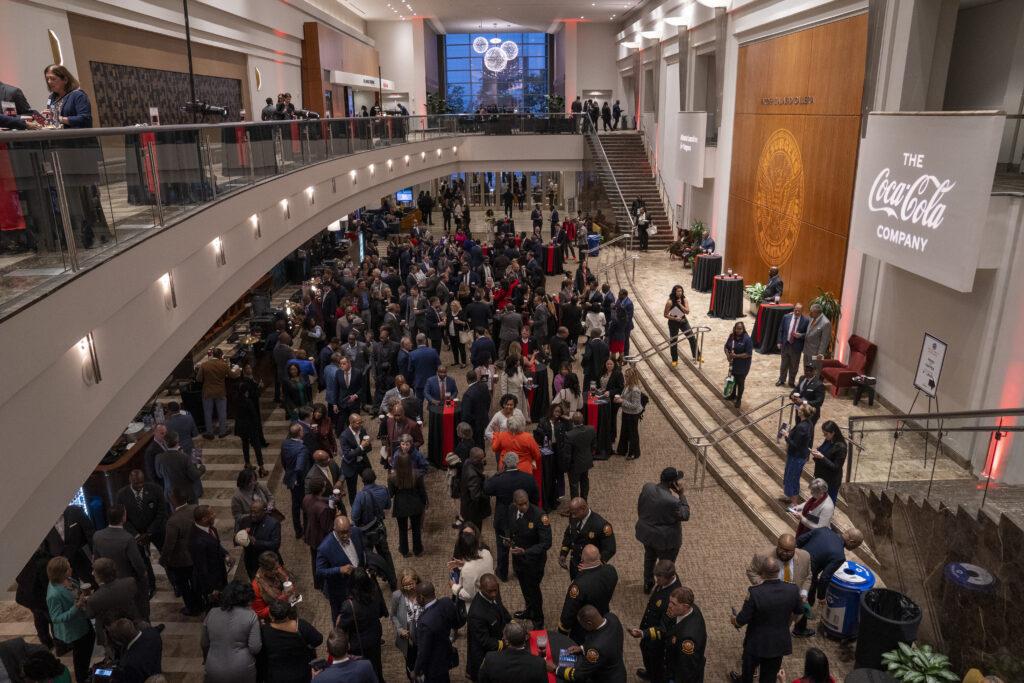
{"points": [[204, 109]]}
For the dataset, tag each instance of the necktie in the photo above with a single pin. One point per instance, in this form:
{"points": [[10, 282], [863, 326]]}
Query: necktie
{"points": [[138, 499], [441, 384], [792, 330], [787, 575], [213, 532]]}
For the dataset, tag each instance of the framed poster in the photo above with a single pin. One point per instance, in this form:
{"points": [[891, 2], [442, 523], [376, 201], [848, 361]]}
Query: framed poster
{"points": [[929, 365]]}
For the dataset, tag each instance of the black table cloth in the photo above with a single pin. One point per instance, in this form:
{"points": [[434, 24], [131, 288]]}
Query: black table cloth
{"points": [[705, 268], [539, 397], [766, 329], [441, 431], [552, 260], [726, 297], [598, 413]]}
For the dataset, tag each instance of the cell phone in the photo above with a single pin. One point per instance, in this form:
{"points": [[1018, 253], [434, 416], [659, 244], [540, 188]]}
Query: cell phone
{"points": [[103, 673]]}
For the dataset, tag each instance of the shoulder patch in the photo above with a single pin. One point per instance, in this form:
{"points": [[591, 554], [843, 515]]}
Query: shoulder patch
{"points": [[590, 534], [687, 647], [574, 590], [545, 521], [657, 603], [607, 529], [529, 525], [673, 640], [592, 655]]}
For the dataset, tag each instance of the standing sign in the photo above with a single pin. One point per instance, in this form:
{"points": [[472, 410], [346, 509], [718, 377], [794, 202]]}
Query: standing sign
{"points": [[691, 127], [923, 187], [929, 365]]}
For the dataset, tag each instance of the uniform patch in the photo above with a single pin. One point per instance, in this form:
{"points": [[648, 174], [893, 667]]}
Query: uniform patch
{"points": [[590, 534], [574, 591], [687, 647], [529, 525], [657, 603], [607, 529], [545, 521], [592, 655]]}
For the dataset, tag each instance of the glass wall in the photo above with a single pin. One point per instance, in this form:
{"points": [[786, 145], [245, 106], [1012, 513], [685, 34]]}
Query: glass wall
{"points": [[480, 73]]}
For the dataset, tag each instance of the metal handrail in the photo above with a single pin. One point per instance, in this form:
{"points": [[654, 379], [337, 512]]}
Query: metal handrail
{"points": [[609, 266], [960, 414], [695, 440], [656, 349], [591, 132]]}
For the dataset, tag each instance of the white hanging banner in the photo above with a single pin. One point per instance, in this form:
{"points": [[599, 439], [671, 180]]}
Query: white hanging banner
{"points": [[691, 128]]}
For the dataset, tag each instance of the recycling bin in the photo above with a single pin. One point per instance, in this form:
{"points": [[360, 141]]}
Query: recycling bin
{"points": [[593, 244], [973, 594], [888, 618], [842, 601]]}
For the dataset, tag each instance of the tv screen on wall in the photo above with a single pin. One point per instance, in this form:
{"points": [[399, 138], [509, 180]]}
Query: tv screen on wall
{"points": [[404, 195]]}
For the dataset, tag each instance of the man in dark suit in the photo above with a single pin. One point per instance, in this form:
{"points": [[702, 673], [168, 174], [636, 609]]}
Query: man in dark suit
{"points": [[594, 585], [264, 534], [585, 527], [513, 663], [324, 469], [660, 512], [355, 453], [485, 621], [474, 505], [601, 658], [178, 470], [530, 540], [337, 557], [508, 331], [681, 638], [348, 390], [440, 387], [113, 599], [155, 447], [476, 406], [828, 553], [209, 573], [140, 652], [117, 544], [320, 512], [71, 537], [423, 364], [774, 286], [767, 612], [653, 621], [295, 461], [502, 486], [344, 669], [435, 321], [810, 389], [559, 352], [175, 556], [31, 593], [791, 344], [435, 655], [579, 443], [146, 516], [10, 93], [595, 355]]}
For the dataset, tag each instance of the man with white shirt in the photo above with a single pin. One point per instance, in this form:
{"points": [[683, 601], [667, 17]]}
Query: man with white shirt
{"points": [[791, 344], [337, 557]]}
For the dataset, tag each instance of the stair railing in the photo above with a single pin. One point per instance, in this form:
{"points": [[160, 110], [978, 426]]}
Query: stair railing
{"points": [[591, 132]]}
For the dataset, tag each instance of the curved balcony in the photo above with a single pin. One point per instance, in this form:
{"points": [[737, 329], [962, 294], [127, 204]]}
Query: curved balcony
{"points": [[111, 311]]}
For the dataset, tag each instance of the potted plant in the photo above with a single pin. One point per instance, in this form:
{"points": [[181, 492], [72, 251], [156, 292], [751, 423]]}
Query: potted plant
{"points": [[436, 105], [755, 293], [830, 309], [554, 104], [694, 236], [918, 665]]}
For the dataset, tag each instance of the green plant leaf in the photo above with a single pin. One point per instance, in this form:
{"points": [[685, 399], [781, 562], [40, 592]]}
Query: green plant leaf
{"points": [[905, 650]]}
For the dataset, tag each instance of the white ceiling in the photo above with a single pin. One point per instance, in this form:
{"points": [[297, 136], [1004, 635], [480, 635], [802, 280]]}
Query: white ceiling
{"points": [[467, 16]]}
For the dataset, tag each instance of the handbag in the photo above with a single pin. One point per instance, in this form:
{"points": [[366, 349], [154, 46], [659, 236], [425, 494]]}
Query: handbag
{"points": [[652, 229], [730, 386], [465, 337]]}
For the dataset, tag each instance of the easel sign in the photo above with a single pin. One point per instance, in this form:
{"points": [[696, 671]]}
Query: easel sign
{"points": [[929, 365]]}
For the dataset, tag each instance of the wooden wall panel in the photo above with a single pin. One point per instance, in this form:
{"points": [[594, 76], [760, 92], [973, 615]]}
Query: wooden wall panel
{"points": [[795, 140], [325, 49]]}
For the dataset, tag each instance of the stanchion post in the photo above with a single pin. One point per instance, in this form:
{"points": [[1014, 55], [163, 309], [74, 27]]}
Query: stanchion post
{"points": [[65, 215]]}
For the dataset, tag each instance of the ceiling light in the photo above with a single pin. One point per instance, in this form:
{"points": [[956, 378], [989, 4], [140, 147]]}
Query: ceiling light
{"points": [[255, 220], [287, 209], [390, 163], [495, 41], [714, 3], [495, 59], [480, 45], [309, 195], [675, 21], [170, 298], [218, 249], [510, 49]]}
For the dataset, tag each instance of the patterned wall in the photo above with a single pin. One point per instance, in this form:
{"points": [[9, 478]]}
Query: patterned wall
{"points": [[123, 94]]}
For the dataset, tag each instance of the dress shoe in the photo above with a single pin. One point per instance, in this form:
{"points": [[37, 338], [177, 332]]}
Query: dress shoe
{"points": [[791, 385], [538, 625], [642, 674], [735, 677], [263, 472], [521, 614], [779, 383], [803, 633]]}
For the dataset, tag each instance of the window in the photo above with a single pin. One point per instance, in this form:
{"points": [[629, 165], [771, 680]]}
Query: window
{"points": [[522, 86]]}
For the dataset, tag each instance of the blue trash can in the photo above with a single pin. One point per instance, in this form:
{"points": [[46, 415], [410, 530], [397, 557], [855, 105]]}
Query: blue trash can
{"points": [[593, 244], [842, 601]]}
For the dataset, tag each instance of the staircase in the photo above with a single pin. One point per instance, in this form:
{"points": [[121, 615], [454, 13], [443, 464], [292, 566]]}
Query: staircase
{"points": [[625, 152]]}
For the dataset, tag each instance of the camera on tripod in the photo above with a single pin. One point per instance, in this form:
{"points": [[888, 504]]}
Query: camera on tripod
{"points": [[204, 109]]}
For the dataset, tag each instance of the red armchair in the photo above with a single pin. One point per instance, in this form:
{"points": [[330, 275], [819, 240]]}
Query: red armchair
{"points": [[839, 375]]}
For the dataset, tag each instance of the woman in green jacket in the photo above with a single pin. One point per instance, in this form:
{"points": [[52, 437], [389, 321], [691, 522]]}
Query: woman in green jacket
{"points": [[70, 625]]}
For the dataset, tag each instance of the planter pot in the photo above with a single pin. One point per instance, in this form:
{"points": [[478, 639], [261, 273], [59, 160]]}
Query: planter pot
{"points": [[753, 308]]}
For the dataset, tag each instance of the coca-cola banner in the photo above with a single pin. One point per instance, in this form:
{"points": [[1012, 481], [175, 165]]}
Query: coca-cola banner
{"points": [[923, 185]]}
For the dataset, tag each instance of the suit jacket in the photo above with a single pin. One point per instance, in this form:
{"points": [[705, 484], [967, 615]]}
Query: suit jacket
{"points": [[595, 355], [330, 558], [315, 473], [354, 458], [801, 330], [119, 545], [819, 334], [476, 406], [473, 502], [114, 600], [319, 519], [580, 442], [432, 389], [767, 613], [511, 325], [812, 390], [175, 552], [773, 288], [433, 321], [423, 363], [153, 449], [10, 93], [559, 353], [659, 517], [800, 573], [180, 473], [343, 390], [433, 649], [295, 460], [142, 659], [78, 533], [148, 516], [502, 486], [512, 666], [208, 571], [485, 621], [348, 671]]}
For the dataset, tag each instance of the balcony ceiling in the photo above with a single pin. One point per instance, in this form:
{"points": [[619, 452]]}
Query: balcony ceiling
{"points": [[467, 16]]}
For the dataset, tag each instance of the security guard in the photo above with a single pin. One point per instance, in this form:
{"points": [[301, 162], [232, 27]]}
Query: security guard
{"points": [[594, 586], [652, 647], [600, 659], [684, 637], [530, 538], [585, 527]]}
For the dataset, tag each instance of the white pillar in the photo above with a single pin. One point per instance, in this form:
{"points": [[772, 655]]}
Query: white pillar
{"points": [[570, 46], [418, 93]]}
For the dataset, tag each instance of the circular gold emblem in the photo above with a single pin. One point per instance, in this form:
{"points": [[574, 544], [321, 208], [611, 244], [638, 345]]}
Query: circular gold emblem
{"points": [[778, 197]]}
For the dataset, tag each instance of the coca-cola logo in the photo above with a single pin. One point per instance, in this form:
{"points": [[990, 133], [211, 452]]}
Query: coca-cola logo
{"points": [[918, 202]]}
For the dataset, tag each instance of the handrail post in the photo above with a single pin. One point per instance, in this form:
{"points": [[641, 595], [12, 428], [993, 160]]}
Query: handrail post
{"points": [[65, 215], [204, 150], [157, 192], [248, 149]]}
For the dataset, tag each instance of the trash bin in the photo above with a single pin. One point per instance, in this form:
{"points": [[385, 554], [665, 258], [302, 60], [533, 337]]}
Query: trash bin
{"points": [[842, 601], [971, 593], [887, 618], [593, 244]]}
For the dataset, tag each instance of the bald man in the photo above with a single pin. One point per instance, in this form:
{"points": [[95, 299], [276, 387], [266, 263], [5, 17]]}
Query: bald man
{"points": [[594, 585], [485, 621], [600, 657], [795, 563], [339, 554], [828, 553], [585, 527]]}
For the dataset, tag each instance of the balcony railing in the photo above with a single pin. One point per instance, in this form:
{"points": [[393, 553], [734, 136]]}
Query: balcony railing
{"points": [[70, 199]]}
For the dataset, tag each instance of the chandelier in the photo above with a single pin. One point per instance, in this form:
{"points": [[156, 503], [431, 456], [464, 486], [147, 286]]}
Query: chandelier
{"points": [[497, 54]]}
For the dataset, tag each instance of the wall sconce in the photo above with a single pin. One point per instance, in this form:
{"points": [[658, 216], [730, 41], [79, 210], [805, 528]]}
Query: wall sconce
{"points": [[371, 170], [352, 176], [91, 369], [255, 221], [455, 149], [406, 159], [218, 249], [390, 165], [423, 156], [438, 151], [287, 209], [170, 298], [310, 195]]}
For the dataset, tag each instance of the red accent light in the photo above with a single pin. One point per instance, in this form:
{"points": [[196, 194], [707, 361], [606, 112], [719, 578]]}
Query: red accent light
{"points": [[279, 33]]}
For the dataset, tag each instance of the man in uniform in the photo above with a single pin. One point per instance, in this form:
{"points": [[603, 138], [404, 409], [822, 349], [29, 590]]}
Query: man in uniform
{"points": [[651, 645], [682, 636], [586, 527], [594, 586], [513, 663], [503, 486], [600, 657], [767, 613], [485, 621], [530, 538]]}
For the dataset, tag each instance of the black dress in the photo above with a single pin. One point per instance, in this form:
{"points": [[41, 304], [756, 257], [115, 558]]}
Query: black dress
{"points": [[285, 656]]}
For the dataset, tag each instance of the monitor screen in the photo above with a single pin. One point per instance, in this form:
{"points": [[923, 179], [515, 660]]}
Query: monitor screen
{"points": [[404, 195]]}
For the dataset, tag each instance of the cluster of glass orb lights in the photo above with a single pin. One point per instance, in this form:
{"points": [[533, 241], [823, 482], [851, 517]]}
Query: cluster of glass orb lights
{"points": [[497, 54]]}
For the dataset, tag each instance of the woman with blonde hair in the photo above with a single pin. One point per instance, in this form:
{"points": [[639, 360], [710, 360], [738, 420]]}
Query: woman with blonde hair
{"points": [[632, 406], [405, 612], [70, 624]]}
